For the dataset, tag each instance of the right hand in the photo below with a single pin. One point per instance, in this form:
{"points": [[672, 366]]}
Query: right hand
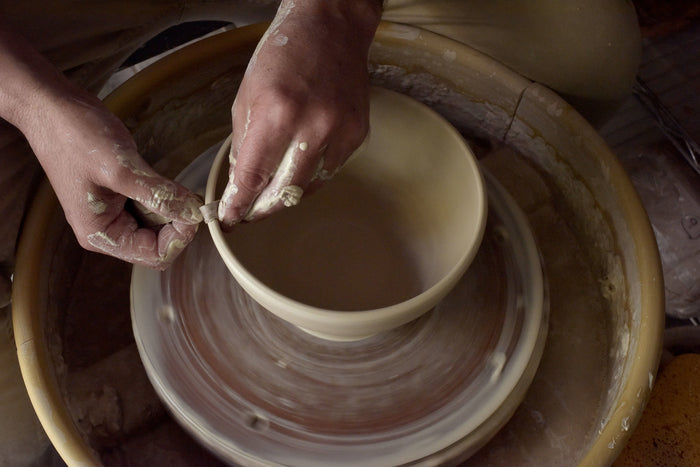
{"points": [[303, 105]]}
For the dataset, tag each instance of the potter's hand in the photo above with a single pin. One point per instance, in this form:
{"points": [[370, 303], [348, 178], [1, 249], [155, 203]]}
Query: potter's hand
{"points": [[92, 162], [303, 105], [94, 167]]}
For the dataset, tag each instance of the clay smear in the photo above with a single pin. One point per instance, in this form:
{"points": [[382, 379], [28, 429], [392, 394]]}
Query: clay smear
{"points": [[96, 205]]}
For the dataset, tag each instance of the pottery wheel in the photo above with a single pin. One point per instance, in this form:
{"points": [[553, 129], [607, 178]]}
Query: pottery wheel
{"points": [[255, 389]]}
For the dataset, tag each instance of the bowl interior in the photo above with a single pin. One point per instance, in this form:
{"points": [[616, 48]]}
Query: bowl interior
{"points": [[404, 217]]}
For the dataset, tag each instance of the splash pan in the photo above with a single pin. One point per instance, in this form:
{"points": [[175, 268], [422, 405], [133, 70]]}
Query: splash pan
{"points": [[256, 389]]}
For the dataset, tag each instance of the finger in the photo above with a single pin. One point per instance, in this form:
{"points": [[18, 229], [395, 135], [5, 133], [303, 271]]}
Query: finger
{"points": [[295, 171], [240, 123], [306, 165], [172, 239], [326, 169], [164, 197], [336, 157], [256, 160], [123, 239]]}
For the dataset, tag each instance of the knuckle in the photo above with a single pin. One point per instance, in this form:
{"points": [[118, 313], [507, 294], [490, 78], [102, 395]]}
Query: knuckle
{"points": [[92, 242], [326, 124], [252, 179], [111, 175], [357, 126], [85, 243], [282, 99], [281, 113], [327, 116], [287, 94], [115, 175]]}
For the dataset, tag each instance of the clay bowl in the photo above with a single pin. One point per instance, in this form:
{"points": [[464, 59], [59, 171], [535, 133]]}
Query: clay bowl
{"points": [[380, 244]]}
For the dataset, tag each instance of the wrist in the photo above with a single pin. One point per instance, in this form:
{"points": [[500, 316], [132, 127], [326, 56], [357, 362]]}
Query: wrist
{"points": [[364, 15], [35, 102]]}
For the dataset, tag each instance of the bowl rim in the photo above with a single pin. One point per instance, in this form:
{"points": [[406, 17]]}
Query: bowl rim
{"points": [[348, 324], [36, 364]]}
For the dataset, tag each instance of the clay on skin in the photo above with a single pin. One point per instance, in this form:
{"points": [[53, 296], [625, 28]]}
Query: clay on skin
{"points": [[280, 40], [174, 248], [282, 14], [102, 241], [126, 161], [280, 189], [231, 188], [97, 206]]}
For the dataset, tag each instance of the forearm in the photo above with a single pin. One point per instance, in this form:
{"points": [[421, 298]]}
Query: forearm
{"points": [[364, 14], [28, 81]]}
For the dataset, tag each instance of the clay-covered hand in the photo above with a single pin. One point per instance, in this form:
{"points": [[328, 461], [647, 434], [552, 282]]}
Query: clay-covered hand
{"points": [[94, 167], [303, 105], [92, 161]]}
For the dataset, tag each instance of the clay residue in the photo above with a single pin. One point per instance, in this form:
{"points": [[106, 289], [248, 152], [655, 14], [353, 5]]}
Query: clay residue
{"points": [[560, 415], [96, 205]]}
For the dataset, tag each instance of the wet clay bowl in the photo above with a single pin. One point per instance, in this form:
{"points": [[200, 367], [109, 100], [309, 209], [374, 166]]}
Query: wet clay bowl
{"points": [[380, 244]]}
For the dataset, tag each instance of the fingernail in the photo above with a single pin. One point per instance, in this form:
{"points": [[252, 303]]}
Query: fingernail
{"points": [[230, 191], [173, 249], [222, 209], [187, 230]]}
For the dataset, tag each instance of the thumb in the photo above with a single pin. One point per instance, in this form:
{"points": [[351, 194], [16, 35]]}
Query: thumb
{"points": [[158, 200]]}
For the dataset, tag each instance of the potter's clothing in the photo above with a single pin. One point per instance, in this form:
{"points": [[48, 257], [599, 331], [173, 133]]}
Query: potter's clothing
{"points": [[579, 47], [587, 49]]}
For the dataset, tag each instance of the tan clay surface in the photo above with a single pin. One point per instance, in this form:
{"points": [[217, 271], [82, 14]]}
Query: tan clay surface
{"points": [[296, 253]]}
